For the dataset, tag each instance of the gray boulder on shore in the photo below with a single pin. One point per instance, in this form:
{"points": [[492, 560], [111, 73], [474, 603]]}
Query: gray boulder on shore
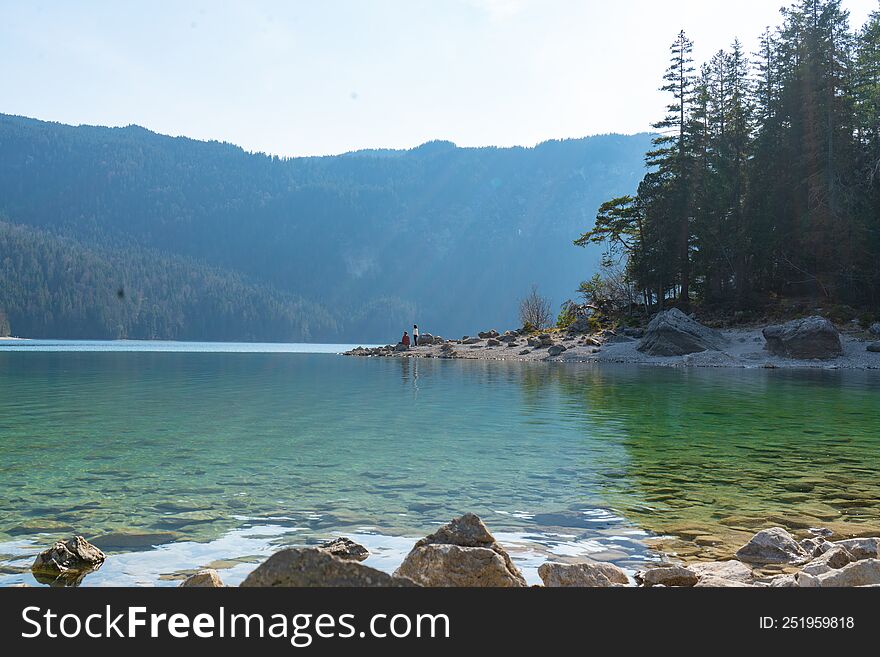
{"points": [[208, 578], [589, 574], [461, 553], [808, 338], [774, 545], [668, 576], [312, 567], [672, 333], [858, 573]]}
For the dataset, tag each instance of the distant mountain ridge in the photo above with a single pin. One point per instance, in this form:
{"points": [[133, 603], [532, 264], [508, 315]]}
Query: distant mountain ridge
{"points": [[365, 243]]}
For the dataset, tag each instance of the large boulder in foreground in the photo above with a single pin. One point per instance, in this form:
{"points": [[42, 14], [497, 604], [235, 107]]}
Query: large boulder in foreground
{"points": [[582, 575], [858, 573], [208, 578], [774, 545], [861, 548], [345, 548], [726, 570], [672, 333], [74, 556], [809, 338], [312, 567], [461, 553], [669, 576]]}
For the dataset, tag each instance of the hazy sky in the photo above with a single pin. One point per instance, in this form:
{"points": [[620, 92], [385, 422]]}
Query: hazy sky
{"points": [[298, 77]]}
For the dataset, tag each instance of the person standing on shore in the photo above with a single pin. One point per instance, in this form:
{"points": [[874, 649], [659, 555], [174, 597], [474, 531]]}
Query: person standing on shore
{"points": [[405, 339], [415, 335]]}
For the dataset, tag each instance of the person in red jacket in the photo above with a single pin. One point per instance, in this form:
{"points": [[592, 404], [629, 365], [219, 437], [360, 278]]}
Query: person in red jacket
{"points": [[405, 339]]}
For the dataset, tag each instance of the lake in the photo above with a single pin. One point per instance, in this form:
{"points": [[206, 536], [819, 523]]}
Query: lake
{"points": [[177, 456]]}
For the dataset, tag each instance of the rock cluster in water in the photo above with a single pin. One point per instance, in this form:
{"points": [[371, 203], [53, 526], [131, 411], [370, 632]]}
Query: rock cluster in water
{"points": [[463, 553]]}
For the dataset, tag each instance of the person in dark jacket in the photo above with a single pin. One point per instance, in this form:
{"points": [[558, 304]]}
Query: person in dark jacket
{"points": [[405, 339]]}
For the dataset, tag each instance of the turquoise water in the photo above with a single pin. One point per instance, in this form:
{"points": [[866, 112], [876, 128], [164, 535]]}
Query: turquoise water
{"points": [[175, 456]]}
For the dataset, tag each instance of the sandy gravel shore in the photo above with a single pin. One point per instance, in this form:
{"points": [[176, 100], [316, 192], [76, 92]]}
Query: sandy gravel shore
{"points": [[745, 349]]}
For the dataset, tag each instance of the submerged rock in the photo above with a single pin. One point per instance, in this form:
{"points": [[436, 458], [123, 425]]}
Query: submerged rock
{"points": [[461, 553], [582, 575], [345, 548], [774, 545], [312, 567], [75, 556], [811, 338], [672, 333], [208, 578]]}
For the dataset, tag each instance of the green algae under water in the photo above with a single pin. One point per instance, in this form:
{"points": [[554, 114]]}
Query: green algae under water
{"points": [[179, 458]]}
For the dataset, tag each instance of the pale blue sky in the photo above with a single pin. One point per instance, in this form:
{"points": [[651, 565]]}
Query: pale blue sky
{"points": [[327, 76]]}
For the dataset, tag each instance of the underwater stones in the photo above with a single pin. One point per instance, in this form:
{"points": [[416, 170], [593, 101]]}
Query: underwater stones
{"points": [[461, 553], [810, 338], [668, 576], [591, 575], [134, 540], [774, 545], [208, 578], [311, 567], [75, 556], [672, 333], [345, 548]]}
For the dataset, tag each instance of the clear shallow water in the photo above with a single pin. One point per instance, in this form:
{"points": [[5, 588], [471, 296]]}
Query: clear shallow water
{"points": [[178, 459]]}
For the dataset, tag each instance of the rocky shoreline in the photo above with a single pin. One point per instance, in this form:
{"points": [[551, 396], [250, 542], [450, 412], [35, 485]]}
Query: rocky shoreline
{"points": [[463, 553], [671, 339]]}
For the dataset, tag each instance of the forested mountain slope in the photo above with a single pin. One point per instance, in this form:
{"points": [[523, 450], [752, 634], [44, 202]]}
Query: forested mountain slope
{"points": [[233, 245]]}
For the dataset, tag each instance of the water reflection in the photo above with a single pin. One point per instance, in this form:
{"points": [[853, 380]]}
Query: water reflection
{"points": [[175, 461]]}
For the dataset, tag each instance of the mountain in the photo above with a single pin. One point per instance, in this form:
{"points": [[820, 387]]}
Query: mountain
{"points": [[227, 244]]}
